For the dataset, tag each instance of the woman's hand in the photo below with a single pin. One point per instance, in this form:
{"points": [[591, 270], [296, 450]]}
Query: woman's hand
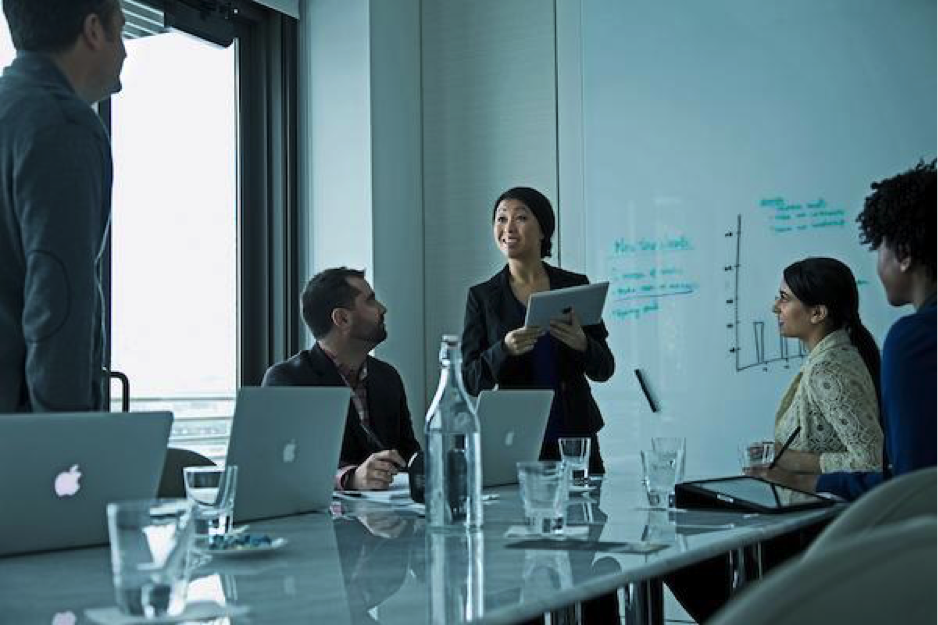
{"points": [[521, 341], [570, 334], [799, 481], [797, 461]]}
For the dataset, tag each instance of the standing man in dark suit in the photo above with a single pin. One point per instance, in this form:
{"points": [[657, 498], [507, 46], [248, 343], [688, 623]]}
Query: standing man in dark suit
{"points": [[341, 310], [55, 201]]}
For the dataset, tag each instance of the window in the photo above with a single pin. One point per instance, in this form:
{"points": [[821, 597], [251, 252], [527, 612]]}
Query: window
{"points": [[7, 52], [202, 280], [174, 233]]}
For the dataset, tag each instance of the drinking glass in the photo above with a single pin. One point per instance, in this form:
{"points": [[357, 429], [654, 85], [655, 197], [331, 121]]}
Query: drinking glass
{"points": [[659, 470], [756, 454], [676, 445], [149, 543], [576, 453], [544, 493], [212, 491]]}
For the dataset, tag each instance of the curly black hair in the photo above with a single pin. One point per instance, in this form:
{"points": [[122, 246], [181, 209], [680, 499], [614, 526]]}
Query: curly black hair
{"points": [[901, 211]]}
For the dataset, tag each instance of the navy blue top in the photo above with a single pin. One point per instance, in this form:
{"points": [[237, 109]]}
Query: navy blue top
{"points": [[546, 376], [908, 409]]}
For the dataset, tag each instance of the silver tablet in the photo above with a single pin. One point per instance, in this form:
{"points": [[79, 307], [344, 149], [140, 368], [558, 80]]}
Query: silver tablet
{"points": [[587, 300]]}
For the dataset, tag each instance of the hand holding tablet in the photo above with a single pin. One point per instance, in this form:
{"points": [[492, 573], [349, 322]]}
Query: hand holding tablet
{"points": [[587, 300], [570, 333], [521, 340]]}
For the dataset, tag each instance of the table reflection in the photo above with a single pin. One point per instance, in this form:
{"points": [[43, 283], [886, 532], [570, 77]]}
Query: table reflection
{"points": [[587, 510], [375, 553], [455, 574]]}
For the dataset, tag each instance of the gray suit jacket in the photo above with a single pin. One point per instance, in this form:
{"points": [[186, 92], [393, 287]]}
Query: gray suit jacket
{"points": [[55, 201]]}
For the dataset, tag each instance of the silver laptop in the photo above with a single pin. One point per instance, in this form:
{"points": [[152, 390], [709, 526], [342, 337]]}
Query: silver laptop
{"points": [[59, 471], [512, 429], [286, 441]]}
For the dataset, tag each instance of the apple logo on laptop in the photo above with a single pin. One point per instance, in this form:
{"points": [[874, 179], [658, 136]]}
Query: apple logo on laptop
{"points": [[66, 483], [64, 618], [510, 439], [289, 451]]}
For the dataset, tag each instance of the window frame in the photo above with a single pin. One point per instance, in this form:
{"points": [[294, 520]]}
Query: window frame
{"points": [[267, 212]]}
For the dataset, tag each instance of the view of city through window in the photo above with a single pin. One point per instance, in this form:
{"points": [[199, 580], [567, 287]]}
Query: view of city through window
{"points": [[174, 231]]}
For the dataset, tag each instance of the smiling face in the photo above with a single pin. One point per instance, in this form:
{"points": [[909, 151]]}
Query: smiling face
{"points": [[516, 230], [794, 318], [366, 323]]}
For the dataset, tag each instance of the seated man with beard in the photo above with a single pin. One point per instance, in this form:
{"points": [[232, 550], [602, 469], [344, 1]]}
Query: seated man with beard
{"points": [[341, 310]]}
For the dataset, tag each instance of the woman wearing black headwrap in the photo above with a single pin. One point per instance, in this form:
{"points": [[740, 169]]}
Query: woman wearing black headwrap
{"points": [[498, 350]]}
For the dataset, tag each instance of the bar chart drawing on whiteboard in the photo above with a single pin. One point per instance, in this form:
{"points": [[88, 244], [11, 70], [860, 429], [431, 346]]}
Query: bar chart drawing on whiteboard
{"points": [[762, 351]]}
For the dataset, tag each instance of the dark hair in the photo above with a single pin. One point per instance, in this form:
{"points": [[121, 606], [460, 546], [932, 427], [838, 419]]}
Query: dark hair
{"points": [[539, 206], [901, 211], [326, 291], [52, 25], [830, 283]]}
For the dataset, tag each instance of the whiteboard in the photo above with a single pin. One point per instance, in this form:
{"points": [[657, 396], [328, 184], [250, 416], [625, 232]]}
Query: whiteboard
{"points": [[705, 146]]}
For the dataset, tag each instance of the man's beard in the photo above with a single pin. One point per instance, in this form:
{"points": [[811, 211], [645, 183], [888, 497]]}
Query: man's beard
{"points": [[374, 335]]}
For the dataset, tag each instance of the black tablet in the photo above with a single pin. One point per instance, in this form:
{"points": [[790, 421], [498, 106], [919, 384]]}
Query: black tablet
{"points": [[745, 494]]}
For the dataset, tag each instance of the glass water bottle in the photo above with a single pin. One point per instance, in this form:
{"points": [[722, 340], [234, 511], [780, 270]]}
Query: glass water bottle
{"points": [[453, 460]]}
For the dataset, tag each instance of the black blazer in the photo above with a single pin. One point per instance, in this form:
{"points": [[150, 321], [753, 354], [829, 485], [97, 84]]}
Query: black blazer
{"points": [[492, 311], [387, 403]]}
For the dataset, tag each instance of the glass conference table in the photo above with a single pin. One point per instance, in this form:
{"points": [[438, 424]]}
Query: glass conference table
{"points": [[368, 562]]}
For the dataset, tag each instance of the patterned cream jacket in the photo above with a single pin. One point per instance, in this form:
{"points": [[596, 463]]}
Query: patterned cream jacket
{"points": [[834, 401]]}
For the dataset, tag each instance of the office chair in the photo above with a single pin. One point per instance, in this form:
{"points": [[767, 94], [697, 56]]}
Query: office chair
{"points": [[885, 575], [172, 484], [897, 499]]}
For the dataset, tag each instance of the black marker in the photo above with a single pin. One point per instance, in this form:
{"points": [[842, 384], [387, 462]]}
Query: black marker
{"points": [[641, 381], [787, 444]]}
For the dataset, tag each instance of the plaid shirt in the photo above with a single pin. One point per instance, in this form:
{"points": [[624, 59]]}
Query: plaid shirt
{"points": [[355, 380]]}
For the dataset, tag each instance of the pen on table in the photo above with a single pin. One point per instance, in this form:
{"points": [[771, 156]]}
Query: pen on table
{"points": [[641, 382], [790, 440]]}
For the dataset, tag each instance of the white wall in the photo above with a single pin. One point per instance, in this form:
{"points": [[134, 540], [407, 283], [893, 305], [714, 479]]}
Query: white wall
{"points": [[360, 161], [489, 123], [289, 7], [397, 205], [336, 104], [414, 116]]}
